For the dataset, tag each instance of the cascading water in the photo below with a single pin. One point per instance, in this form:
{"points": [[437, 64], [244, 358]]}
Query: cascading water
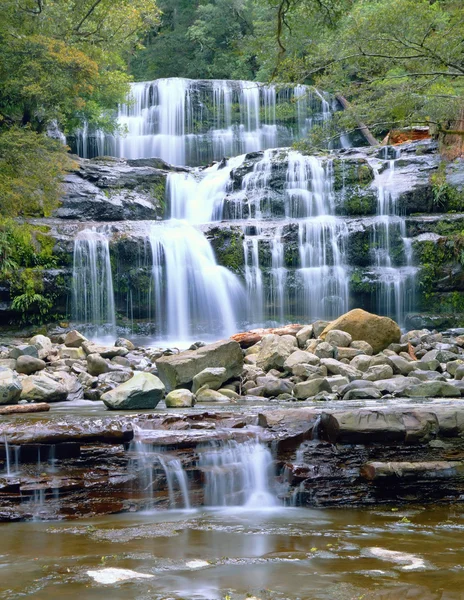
{"points": [[237, 475], [193, 295], [191, 122], [92, 292]]}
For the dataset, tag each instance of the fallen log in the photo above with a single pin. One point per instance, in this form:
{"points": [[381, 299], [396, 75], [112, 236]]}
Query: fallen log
{"points": [[252, 337], [363, 128], [24, 408]]}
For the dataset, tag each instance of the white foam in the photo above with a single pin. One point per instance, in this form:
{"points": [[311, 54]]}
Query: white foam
{"points": [[415, 562], [112, 575], [196, 564]]}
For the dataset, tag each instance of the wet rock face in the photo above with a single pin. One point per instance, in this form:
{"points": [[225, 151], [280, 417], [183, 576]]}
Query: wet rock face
{"points": [[142, 391], [10, 386]]}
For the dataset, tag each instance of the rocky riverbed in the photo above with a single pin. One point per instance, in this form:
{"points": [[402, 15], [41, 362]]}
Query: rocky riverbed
{"points": [[353, 412]]}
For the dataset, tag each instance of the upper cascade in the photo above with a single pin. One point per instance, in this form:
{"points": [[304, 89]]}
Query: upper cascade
{"points": [[193, 122]]}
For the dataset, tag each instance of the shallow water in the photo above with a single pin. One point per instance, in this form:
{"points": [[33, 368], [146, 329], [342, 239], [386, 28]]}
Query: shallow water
{"points": [[305, 554]]}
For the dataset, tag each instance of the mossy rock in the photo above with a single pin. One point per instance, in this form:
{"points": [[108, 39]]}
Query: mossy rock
{"points": [[227, 243]]}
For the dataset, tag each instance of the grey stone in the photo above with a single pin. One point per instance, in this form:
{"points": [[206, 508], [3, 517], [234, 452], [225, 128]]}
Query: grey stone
{"points": [[395, 385], [336, 367], [363, 346], [123, 343], [368, 393], [10, 386], [212, 377], [43, 388], [300, 357], [307, 389], [104, 351], [97, 365], [378, 372], [29, 364], [179, 370], [204, 394], [275, 350], [442, 356], [426, 375], [74, 339], [319, 326], [142, 392], [452, 366], [432, 389], [338, 338], [73, 353], [401, 366], [180, 399], [427, 365], [43, 344], [24, 349], [459, 373], [303, 335], [361, 363], [305, 370], [276, 387], [337, 382], [325, 350]]}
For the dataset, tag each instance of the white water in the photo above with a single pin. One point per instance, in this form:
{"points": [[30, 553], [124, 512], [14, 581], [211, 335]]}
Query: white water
{"points": [[92, 289], [185, 121], [237, 475]]}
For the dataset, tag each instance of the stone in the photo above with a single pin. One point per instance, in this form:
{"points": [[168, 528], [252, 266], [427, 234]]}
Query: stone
{"points": [[300, 357], [395, 385], [459, 373], [122, 361], [123, 343], [276, 387], [337, 382], [453, 365], [74, 339], [212, 377], [104, 351], [401, 366], [29, 364], [24, 349], [229, 393], [426, 375], [319, 326], [378, 372], [251, 359], [9, 363], [116, 377], [377, 331], [428, 365], [336, 367], [275, 349], [43, 388], [97, 365], [369, 393], [303, 335], [363, 346], [142, 392], [10, 386], [325, 350], [348, 353], [43, 344], [361, 363], [442, 356], [338, 338], [305, 370], [179, 370], [432, 389], [419, 334], [71, 383], [180, 399], [204, 394], [307, 389], [73, 353]]}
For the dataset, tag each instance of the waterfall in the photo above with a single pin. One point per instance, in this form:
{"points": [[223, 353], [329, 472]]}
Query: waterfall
{"points": [[237, 475], [277, 300], [390, 245], [190, 122], [253, 280], [193, 294], [92, 292]]}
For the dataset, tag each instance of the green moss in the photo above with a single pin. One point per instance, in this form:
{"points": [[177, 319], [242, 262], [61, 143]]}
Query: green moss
{"points": [[159, 193], [228, 247]]}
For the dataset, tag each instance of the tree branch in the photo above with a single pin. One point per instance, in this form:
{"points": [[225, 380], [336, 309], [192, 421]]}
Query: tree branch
{"points": [[87, 15]]}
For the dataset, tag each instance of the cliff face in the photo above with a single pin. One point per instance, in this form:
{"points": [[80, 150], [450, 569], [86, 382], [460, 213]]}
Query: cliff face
{"points": [[389, 221]]}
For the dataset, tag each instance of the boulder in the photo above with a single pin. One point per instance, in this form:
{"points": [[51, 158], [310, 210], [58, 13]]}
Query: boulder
{"points": [[24, 349], [74, 339], [179, 370], [274, 388], [180, 399], [97, 365], [363, 346], [28, 364], [338, 338], [10, 386], [43, 388], [204, 394], [43, 344], [72, 353], [377, 331], [212, 377], [325, 350], [335, 367], [104, 351], [275, 350], [142, 392], [319, 326], [453, 365], [395, 385], [123, 343], [300, 357], [305, 334], [401, 366], [432, 389], [369, 393], [305, 370], [348, 353], [378, 372], [361, 363], [308, 389], [442, 356]]}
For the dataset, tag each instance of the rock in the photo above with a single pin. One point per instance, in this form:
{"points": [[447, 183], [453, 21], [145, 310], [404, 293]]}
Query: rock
{"points": [[363, 346], [361, 363], [319, 326], [395, 385], [378, 372], [73, 386], [28, 364], [305, 370], [402, 366], [426, 375], [274, 388], [251, 359], [180, 399], [23, 349], [337, 382], [442, 356], [303, 335], [212, 377], [432, 389], [97, 365], [104, 351], [74, 339], [336, 367], [229, 393], [43, 344], [206, 395], [338, 338], [122, 361], [459, 373], [325, 350], [249, 338], [179, 370], [142, 392], [10, 386], [377, 331], [453, 365], [427, 365], [116, 377], [300, 357], [72, 353], [123, 343], [275, 350], [43, 388], [9, 363], [307, 389], [348, 353], [368, 393]]}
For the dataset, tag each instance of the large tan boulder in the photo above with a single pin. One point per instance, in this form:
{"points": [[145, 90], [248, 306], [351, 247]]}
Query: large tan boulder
{"points": [[377, 331]]}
